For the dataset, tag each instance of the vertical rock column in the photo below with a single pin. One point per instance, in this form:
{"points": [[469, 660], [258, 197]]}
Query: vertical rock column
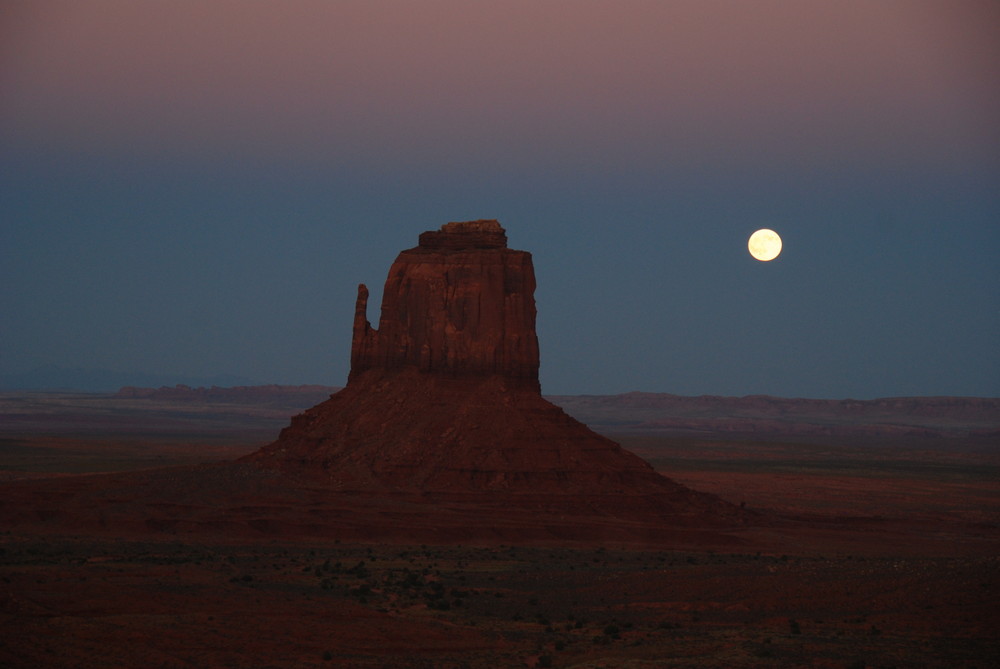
{"points": [[459, 304]]}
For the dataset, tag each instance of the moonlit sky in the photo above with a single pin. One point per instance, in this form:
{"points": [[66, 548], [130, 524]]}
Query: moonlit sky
{"points": [[192, 190]]}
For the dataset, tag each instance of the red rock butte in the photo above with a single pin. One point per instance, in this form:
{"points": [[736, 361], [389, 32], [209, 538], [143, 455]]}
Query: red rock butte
{"points": [[444, 399], [459, 304], [441, 435]]}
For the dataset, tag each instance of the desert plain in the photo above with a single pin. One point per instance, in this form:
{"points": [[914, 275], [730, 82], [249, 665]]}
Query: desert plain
{"points": [[868, 547]]}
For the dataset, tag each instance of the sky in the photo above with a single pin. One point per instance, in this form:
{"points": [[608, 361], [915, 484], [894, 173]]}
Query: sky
{"points": [[191, 191]]}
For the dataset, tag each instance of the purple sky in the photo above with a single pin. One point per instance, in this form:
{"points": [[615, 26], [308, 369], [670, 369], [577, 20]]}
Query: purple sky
{"points": [[194, 189]]}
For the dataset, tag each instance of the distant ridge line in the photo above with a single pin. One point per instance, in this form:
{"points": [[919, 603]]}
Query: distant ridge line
{"points": [[758, 416], [219, 393], [634, 396]]}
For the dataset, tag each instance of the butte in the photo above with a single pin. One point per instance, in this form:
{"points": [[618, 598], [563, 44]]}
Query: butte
{"points": [[443, 407], [441, 435]]}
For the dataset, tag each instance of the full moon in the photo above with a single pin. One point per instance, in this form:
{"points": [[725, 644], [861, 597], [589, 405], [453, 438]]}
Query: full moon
{"points": [[764, 244]]}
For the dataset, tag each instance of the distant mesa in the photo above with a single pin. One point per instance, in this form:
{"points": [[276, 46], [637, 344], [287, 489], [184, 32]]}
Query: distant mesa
{"points": [[238, 394]]}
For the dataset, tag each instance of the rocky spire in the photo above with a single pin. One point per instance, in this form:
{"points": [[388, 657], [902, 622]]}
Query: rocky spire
{"points": [[459, 304]]}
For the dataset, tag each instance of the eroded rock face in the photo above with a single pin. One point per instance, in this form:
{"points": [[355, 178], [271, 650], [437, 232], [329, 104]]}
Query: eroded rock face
{"points": [[461, 303]]}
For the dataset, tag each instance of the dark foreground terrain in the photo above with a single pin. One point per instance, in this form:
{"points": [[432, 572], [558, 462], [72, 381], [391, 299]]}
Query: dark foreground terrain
{"points": [[86, 603], [874, 552]]}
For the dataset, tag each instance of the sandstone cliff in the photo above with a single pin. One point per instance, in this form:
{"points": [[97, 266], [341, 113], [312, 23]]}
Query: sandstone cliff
{"points": [[461, 303]]}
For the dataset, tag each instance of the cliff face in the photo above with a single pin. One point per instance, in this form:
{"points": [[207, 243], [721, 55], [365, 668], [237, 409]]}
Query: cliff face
{"points": [[461, 304]]}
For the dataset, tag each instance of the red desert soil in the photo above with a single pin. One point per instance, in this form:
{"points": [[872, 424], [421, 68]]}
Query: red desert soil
{"points": [[912, 581], [99, 603]]}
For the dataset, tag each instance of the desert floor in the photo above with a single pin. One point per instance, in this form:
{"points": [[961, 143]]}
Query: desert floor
{"points": [[889, 558]]}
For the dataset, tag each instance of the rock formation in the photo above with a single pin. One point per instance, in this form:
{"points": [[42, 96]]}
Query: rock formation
{"points": [[459, 304], [441, 435], [443, 398]]}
